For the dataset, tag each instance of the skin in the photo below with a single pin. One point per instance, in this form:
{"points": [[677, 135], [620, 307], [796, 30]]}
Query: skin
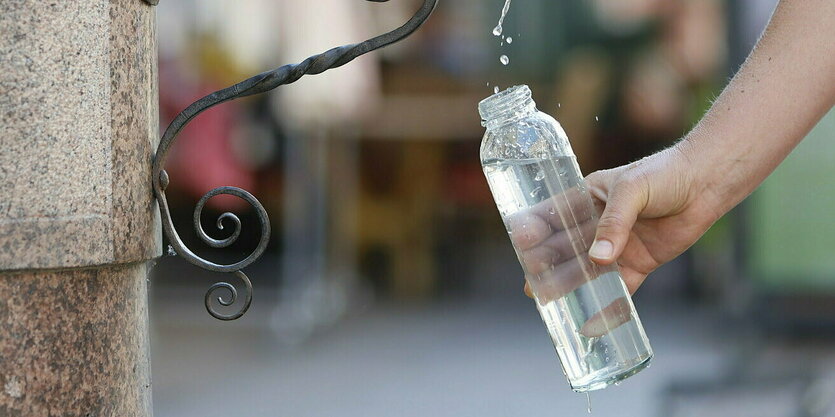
{"points": [[656, 208]]}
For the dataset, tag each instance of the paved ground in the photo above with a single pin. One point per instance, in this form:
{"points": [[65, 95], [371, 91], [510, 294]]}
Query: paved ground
{"points": [[473, 359], [488, 356]]}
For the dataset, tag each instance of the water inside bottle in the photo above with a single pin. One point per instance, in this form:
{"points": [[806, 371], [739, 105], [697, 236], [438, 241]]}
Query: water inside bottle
{"points": [[551, 220]]}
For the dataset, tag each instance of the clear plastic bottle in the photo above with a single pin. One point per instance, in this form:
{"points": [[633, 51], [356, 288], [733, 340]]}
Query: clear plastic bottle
{"points": [[551, 220]]}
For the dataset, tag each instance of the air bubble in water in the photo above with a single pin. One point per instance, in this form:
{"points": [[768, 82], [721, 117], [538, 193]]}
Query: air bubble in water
{"points": [[535, 191], [504, 60], [509, 40]]}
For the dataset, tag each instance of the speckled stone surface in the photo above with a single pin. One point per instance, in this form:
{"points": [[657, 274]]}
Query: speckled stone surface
{"points": [[78, 126], [75, 343], [134, 113]]}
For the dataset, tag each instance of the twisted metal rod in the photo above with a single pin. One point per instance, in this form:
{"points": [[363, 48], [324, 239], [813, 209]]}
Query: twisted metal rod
{"points": [[258, 84]]}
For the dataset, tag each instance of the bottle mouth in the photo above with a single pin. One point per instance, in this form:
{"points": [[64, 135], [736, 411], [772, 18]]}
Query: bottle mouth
{"points": [[505, 104]]}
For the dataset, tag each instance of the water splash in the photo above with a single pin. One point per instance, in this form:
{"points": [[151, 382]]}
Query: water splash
{"points": [[589, 353], [497, 31], [504, 60]]}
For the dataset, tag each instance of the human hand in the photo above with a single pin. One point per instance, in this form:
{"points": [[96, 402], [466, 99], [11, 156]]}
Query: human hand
{"points": [[653, 210], [552, 240]]}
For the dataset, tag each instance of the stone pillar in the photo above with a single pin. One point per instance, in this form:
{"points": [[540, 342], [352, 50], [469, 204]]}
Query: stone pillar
{"points": [[78, 221]]}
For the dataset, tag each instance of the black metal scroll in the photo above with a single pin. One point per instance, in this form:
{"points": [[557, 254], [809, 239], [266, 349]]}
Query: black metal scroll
{"points": [[260, 83]]}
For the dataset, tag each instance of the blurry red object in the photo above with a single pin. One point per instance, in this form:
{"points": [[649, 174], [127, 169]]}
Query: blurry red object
{"points": [[202, 157]]}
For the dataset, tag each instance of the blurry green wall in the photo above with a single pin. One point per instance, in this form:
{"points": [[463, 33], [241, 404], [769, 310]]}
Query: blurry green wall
{"points": [[791, 229]]}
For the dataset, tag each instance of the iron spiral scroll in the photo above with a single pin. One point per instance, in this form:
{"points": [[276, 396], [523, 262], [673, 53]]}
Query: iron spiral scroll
{"points": [[258, 84]]}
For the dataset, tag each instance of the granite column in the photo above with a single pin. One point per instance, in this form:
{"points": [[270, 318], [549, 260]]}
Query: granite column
{"points": [[78, 221]]}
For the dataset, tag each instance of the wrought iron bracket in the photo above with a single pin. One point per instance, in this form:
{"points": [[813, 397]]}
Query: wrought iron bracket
{"points": [[258, 84]]}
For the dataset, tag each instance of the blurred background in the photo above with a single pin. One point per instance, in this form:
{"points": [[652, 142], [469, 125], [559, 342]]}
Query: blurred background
{"points": [[390, 288]]}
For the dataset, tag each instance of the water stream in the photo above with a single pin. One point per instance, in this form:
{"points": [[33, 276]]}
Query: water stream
{"points": [[497, 31]]}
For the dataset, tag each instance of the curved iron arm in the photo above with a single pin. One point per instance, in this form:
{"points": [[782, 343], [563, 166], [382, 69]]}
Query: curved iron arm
{"points": [[260, 83]]}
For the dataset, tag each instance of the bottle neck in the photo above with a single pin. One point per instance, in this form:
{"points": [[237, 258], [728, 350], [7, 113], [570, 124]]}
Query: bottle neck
{"points": [[506, 107]]}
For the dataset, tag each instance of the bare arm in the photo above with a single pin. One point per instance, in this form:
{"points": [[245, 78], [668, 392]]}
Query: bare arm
{"points": [[780, 93], [658, 207]]}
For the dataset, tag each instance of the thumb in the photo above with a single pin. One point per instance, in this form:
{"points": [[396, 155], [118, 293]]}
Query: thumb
{"points": [[624, 203]]}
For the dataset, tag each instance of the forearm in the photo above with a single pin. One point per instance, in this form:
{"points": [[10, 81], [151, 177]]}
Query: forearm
{"points": [[779, 94]]}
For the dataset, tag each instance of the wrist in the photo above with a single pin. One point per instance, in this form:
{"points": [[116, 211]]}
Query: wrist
{"points": [[706, 173]]}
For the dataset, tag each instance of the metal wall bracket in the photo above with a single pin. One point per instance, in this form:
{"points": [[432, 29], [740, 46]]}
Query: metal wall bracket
{"points": [[258, 84]]}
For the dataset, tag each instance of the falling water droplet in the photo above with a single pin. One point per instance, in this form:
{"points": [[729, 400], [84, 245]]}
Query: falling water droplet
{"points": [[509, 40], [596, 119], [588, 402], [496, 90], [559, 105], [504, 60], [171, 251]]}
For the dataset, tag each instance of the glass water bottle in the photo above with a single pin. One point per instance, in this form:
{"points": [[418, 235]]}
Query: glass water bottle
{"points": [[551, 220]]}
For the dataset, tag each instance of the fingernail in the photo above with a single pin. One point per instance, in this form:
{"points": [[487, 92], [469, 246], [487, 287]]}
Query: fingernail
{"points": [[595, 327], [611, 317], [601, 249]]}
